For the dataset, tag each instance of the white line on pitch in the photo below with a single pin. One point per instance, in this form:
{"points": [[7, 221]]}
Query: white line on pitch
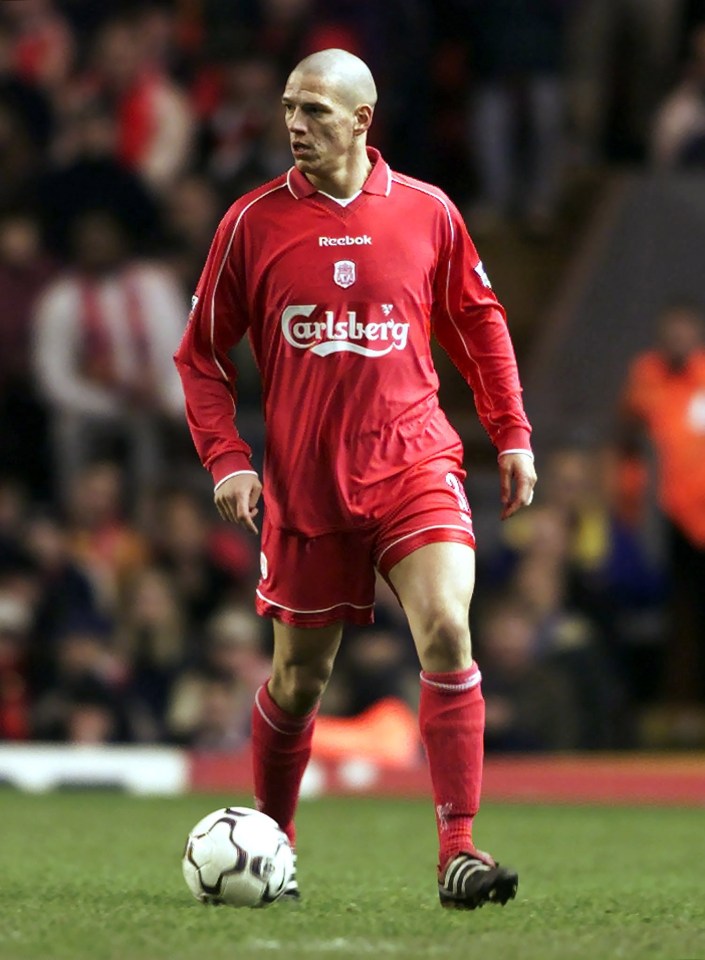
{"points": [[338, 943]]}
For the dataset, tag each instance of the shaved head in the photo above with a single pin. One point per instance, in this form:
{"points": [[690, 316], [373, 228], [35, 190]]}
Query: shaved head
{"points": [[346, 74]]}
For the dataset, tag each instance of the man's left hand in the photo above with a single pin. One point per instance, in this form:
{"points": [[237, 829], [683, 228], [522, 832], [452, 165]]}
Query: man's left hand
{"points": [[517, 478]]}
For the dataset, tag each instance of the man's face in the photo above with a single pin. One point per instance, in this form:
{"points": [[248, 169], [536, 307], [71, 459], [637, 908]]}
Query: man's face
{"points": [[320, 124], [98, 242], [680, 333]]}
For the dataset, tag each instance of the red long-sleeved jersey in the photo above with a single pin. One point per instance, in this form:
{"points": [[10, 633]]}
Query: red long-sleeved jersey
{"points": [[339, 303]]}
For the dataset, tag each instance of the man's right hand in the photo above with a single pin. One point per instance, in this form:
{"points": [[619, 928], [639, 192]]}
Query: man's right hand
{"points": [[236, 499]]}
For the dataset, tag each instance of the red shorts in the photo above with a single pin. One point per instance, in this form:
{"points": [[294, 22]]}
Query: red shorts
{"points": [[316, 581]]}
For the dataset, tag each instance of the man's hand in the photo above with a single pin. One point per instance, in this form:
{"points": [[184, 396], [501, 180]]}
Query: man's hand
{"points": [[236, 499], [517, 479]]}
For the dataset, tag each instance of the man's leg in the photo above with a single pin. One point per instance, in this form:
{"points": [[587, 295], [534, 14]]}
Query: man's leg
{"points": [[435, 585], [284, 715]]}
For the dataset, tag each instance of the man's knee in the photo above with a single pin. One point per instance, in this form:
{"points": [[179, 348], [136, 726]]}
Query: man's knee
{"points": [[297, 685], [444, 644]]}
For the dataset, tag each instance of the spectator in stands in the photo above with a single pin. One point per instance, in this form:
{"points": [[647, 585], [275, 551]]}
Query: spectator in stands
{"points": [[376, 665], [615, 578], [664, 403], [236, 645], [19, 580], [24, 272], [93, 715], [621, 56], [85, 658], [544, 572], [86, 175], [678, 136], [106, 547], [575, 499], [153, 639], [276, 27], [221, 723], [635, 576], [20, 162], [612, 577], [159, 24], [191, 213], [105, 332], [15, 623], [85, 710], [22, 96], [249, 98], [14, 507], [155, 124], [529, 702], [65, 592], [211, 703], [43, 47], [571, 641], [516, 55], [545, 536], [183, 539]]}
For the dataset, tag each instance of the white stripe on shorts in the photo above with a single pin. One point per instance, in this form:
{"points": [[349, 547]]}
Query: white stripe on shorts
{"points": [[435, 526], [343, 603]]}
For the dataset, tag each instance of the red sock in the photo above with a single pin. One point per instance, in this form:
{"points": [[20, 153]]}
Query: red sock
{"points": [[281, 747], [452, 722]]}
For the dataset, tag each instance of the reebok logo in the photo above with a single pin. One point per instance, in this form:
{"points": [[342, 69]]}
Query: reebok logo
{"points": [[363, 241]]}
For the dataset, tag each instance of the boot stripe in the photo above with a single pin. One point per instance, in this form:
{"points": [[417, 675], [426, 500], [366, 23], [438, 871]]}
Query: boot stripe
{"points": [[460, 871]]}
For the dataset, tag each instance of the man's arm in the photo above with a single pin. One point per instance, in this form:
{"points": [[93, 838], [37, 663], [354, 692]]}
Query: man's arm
{"points": [[471, 326], [217, 322]]}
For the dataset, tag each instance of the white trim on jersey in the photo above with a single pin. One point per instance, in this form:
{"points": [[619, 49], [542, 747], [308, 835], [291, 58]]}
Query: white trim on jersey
{"points": [[504, 453], [238, 473], [222, 267], [343, 201]]}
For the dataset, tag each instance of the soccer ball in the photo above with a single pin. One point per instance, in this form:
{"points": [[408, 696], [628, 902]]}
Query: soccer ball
{"points": [[239, 857]]}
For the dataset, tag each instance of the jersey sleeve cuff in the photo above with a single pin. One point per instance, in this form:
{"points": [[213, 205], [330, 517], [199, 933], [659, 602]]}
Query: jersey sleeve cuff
{"points": [[524, 453], [518, 438], [227, 466]]}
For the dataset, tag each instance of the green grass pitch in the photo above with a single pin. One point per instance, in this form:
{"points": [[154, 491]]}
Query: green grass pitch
{"points": [[97, 875]]}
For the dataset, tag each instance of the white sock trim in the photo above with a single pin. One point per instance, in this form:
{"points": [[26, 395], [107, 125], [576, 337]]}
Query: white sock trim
{"points": [[287, 733], [472, 681]]}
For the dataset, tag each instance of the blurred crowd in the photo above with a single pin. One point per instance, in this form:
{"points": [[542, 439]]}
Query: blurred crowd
{"points": [[126, 129], [137, 625]]}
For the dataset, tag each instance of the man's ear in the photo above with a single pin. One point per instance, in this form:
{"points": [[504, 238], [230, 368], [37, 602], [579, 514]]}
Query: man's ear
{"points": [[363, 119]]}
